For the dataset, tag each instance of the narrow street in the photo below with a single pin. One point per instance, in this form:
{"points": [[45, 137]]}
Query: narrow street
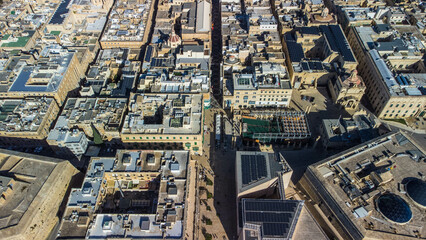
{"points": [[215, 207]]}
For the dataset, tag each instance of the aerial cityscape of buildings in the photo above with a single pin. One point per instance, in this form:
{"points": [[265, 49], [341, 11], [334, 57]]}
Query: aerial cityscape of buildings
{"points": [[213, 119]]}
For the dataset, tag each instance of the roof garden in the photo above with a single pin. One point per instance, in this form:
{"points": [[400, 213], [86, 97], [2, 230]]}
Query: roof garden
{"points": [[283, 125], [22, 41]]}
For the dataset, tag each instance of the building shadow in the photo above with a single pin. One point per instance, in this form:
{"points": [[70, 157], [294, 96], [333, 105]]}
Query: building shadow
{"points": [[223, 166]]}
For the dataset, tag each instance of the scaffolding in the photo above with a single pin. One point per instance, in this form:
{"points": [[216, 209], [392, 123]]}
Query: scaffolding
{"points": [[269, 125]]}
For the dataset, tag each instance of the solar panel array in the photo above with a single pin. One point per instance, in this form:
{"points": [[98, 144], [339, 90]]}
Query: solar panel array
{"points": [[295, 51], [337, 41], [253, 168], [148, 53], [271, 206], [312, 65], [58, 16], [275, 216]]}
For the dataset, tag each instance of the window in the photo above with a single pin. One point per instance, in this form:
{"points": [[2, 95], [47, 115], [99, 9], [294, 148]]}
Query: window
{"points": [[252, 102], [397, 105], [391, 105]]}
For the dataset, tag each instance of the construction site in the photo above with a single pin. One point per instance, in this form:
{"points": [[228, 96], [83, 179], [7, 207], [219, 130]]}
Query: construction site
{"points": [[274, 126]]}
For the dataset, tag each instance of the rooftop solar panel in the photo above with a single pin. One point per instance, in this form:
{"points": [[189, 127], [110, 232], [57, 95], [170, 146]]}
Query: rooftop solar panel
{"points": [[270, 206], [253, 168], [337, 41], [275, 229], [268, 217], [295, 51], [148, 54], [309, 30], [58, 17], [275, 217]]}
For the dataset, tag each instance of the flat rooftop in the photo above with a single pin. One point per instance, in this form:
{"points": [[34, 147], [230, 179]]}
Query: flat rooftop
{"points": [[148, 187], [23, 115], [360, 183], [87, 195], [337, 41], [170, 163], [354, 14], [164, 114], [398, 46], [131, 226], [127, 21], [34, 190], [269, 218], [255, 168], [180, 81], [283, 125], [46, 75], [61, 11], [108, 112]]}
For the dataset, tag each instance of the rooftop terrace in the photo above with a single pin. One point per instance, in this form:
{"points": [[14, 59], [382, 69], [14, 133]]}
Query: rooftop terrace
{"points": [[127, 21], [149, 183], [358, 184], [105, 112], [164, 114], [23, 115], [46, 75], [267, 126]]}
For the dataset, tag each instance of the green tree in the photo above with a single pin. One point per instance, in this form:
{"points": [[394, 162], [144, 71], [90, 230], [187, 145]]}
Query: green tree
{"points": [[97, 136]]}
